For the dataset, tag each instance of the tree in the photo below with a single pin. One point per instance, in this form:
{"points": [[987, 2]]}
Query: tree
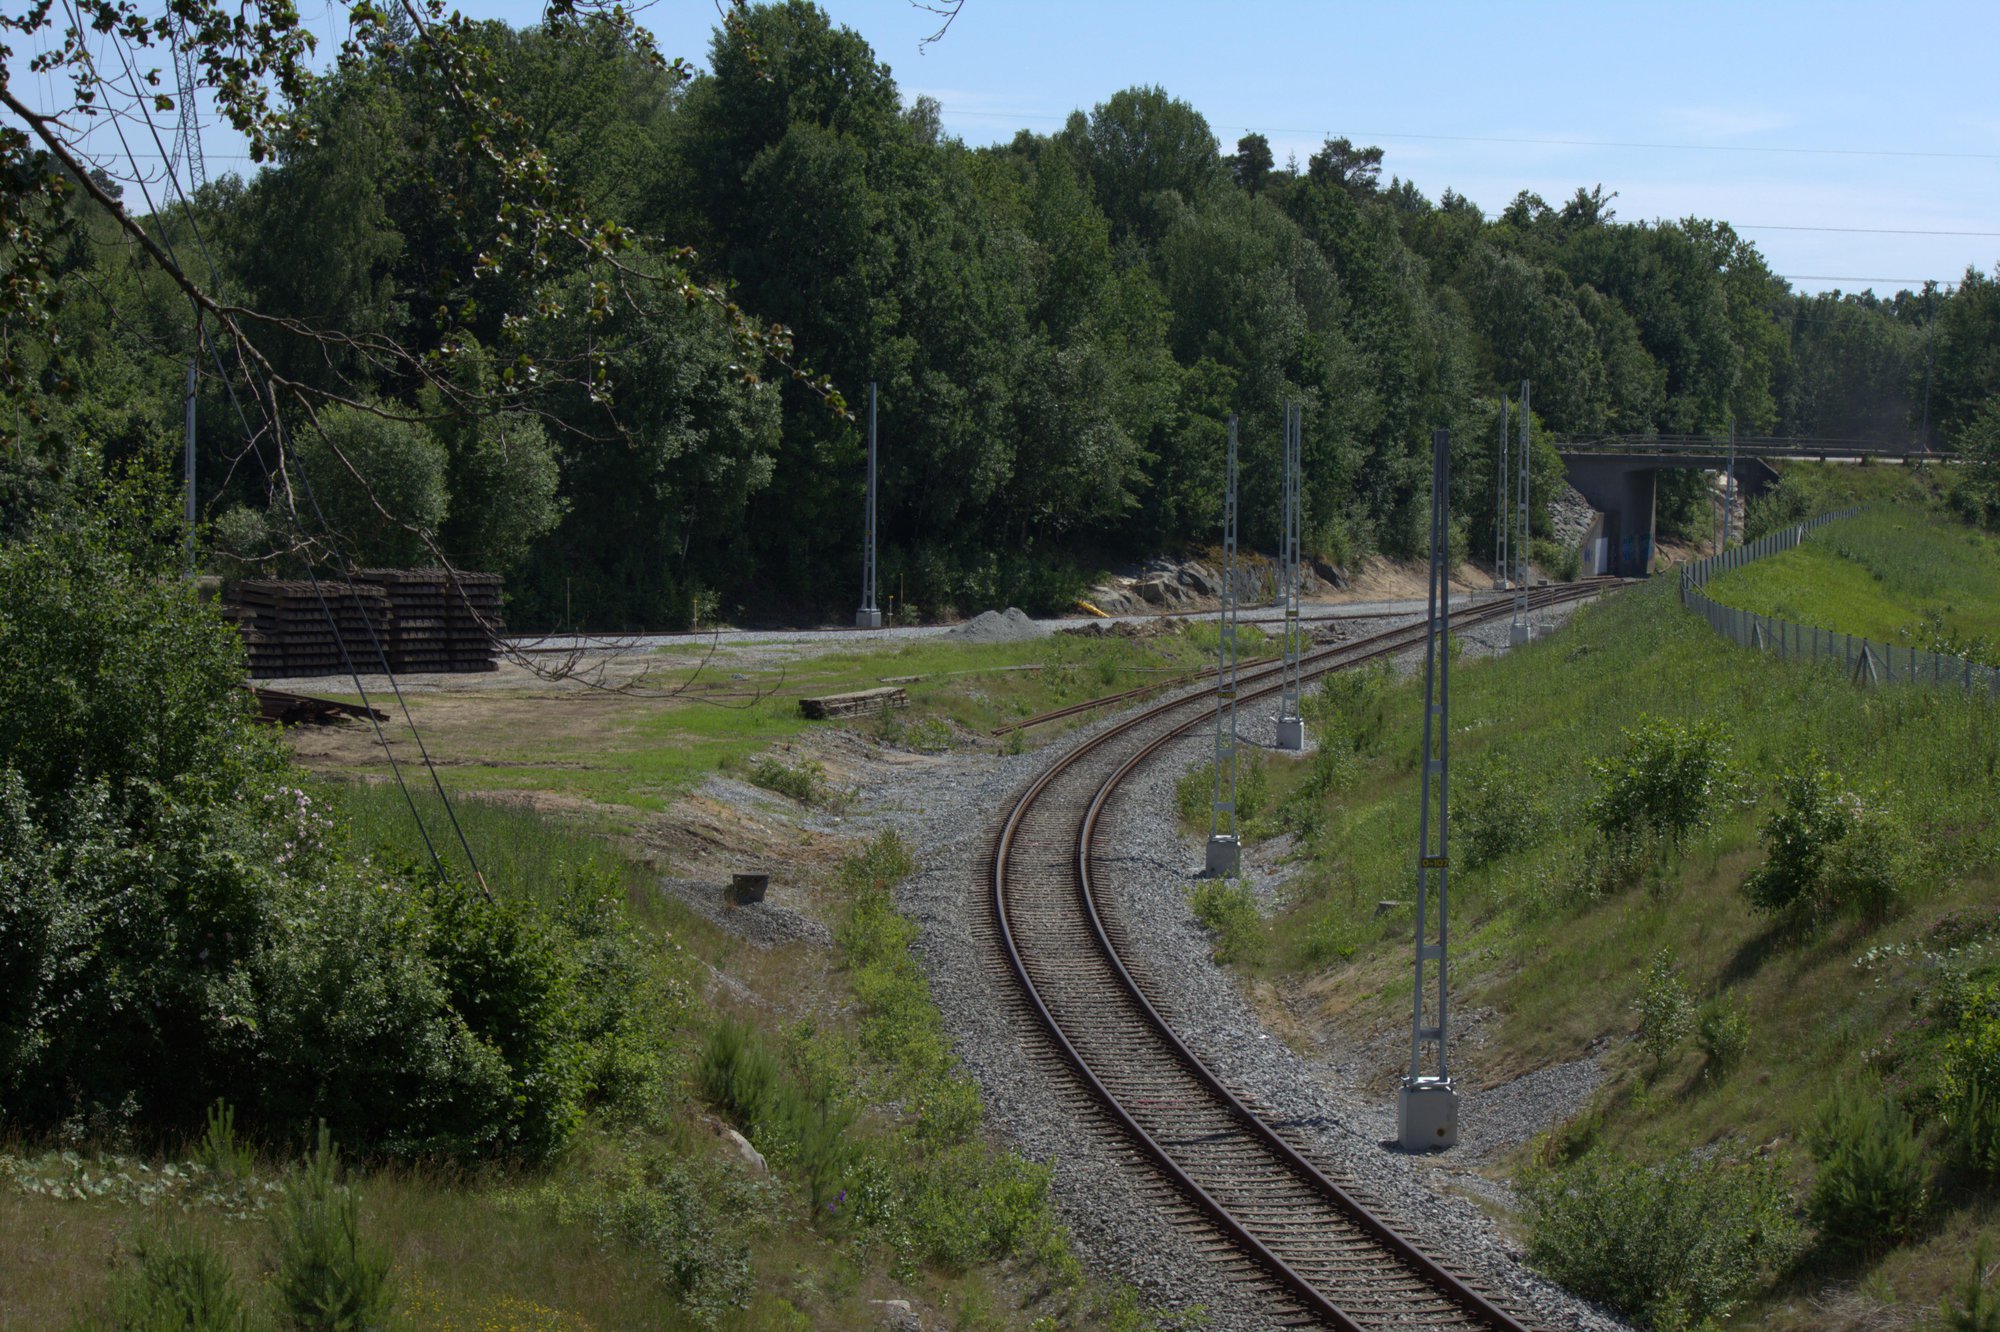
{"points": [[1142, 145], [1250, 166], [1340, 164]]}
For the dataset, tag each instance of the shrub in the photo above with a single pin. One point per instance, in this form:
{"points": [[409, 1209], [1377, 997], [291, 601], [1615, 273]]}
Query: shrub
{"points": [[1871, 1183], [1811, 817], [1868, 867], [1495, 813], [1723, 1032], [218, 1148], [662, 1211], [179, 1283], [1668, 782], [805, 783], [328, 1279], [1969, 1078], [1674, 1244], [1666, 1009], [1229, 912]]}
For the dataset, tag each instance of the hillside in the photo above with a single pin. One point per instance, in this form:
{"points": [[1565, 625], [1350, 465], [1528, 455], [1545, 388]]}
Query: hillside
{"points": [[1618, 938]]}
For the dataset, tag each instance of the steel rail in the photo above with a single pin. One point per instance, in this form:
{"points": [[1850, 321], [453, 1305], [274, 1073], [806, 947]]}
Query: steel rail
{"points": [[1479, 614], [1300, 1286]]}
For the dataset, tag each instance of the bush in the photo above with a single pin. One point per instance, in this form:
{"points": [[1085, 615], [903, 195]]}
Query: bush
{"points": [[1668, 782], [1969, 1079], [179, 1284], [1868, 867], [1495, 813], [1811, 817], [662, 1211], [1666, 1009], [1723, 1032], [1674, 1244], [805, 783], [1229, 912], [328, 1279], [1871, 1185]]}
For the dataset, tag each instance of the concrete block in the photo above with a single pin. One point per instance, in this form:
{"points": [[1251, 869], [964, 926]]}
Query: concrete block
{"points": [[1427, 1114], [748, 887], [868, 619], [1291, 733], [1225, 857]]}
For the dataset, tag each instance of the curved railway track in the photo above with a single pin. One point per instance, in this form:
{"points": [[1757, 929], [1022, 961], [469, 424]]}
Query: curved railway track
{"points": [[1321, 1256]]}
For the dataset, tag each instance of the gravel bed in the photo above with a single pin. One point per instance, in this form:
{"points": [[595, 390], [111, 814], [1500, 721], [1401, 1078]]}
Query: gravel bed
{"points": [[764, 923], [951, 814]]}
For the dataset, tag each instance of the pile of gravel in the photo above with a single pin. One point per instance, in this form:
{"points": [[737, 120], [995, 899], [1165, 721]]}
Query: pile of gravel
{"points": [[1009, 626]]}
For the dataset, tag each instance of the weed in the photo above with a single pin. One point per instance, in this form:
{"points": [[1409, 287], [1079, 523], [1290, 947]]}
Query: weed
{"points": [[1228, 910], [804, 782], [1196, 789], [328, 1278], [1675, 1244], [660, 1210], [1496, 812], [1871, 1184], [932, 735], [1666, 1009]]}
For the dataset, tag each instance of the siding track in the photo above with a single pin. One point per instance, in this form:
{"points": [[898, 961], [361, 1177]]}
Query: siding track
{"points": [[1310, 1251]]}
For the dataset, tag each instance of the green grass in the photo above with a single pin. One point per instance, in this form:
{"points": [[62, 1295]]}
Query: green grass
{"points": [[1556, 933], [633, 753], [1903, 574]]}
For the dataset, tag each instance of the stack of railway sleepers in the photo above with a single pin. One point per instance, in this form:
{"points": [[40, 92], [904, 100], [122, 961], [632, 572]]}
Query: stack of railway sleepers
{"points": [[472, 621], [293, 627], [439, 620], [417, 602], [421, 620]]}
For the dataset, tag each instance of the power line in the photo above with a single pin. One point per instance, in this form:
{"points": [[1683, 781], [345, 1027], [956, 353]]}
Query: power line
{"points": [[1836, 277], [1865, 231]]}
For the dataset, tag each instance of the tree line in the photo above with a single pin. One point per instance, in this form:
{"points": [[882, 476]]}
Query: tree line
{"points": [[1060, 326]]}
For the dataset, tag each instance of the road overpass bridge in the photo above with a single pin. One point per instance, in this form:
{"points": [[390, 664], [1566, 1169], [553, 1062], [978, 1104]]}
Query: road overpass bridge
{"points": [[1619, 475]]}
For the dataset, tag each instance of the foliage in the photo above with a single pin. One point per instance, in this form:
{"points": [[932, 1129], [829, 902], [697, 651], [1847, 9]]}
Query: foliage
{"points": [[1228, 911], [1669, 781], [1722, 1029], [804, 782], [1811, 816], [1496, 811], [1666, 1008], [1975, 1305], [1872, 1181], [1194, 790], [178, 1283], [219, 1150], [1969, 1075], [1675, 1244], [328, 1278], [178, 919], [659, 1208]]}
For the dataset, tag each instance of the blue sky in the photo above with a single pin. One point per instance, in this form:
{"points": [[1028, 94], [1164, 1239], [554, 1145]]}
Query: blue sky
{"points": [[1881, 119]]}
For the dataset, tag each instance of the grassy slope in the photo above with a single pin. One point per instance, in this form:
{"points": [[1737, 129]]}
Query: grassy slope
{"points": [[1561, 966], [1879, 575]]}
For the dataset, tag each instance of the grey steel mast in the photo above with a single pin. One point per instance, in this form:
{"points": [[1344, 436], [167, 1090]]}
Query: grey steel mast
{"points": [[1225, 845], [870, 615], [1501, 581], [1427, 1105], [1291, 726], [1518, 631]]}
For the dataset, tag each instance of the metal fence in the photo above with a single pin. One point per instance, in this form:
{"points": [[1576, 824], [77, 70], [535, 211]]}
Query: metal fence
{"points": [[1864, 660]]}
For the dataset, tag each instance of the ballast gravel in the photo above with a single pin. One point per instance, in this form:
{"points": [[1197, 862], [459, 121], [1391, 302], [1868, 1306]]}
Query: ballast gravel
{"points": [[950, 812]]}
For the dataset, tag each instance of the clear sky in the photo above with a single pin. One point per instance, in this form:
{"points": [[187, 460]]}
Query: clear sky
{"points": [[1873, 121]]}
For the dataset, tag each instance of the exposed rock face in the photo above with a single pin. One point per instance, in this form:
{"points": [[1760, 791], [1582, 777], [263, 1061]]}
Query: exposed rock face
{"points": [[1163, 584], [1570, 517]]}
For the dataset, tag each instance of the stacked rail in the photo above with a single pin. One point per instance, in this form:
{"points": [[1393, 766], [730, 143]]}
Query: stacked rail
{"points": [[1316, 1251], [409, 620]]}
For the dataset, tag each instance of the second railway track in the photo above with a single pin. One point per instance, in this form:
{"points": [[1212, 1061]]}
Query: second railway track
{"points": [[1312, 1252]]}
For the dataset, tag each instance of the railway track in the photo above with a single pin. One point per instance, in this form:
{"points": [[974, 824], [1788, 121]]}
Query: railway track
{"points": [[1311, 1249]]}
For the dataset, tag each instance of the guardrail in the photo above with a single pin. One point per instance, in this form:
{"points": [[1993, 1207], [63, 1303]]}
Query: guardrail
{"points": [[1864, 660]]}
